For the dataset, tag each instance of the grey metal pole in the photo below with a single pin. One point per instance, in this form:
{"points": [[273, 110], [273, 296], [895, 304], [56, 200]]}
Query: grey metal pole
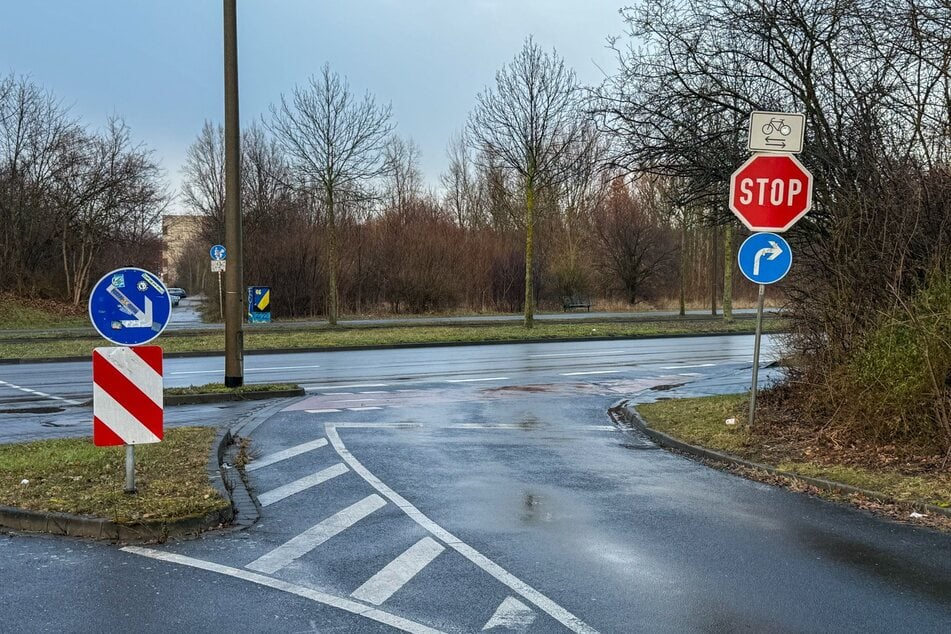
{"points": [[759, 334], [234, 298], [130, 468], [221, 298]]}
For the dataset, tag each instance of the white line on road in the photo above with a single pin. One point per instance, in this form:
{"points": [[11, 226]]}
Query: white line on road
{"points": [[551, 608], [282, 367], [398, 572], [376, 392], [336, 393], [591, 372], [276, 495], [362, 409], [316, 535], [285, 454], [182, 372], [317, 388], [493, 378], [347, 605], [593, 353], [321, 411], [511, 614], [684, 367], [38, 393], [356, 400]]}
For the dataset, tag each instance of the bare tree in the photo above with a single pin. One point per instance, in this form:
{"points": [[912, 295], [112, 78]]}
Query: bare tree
{"points": [[403, 182], [526, 124], [335, 142]]}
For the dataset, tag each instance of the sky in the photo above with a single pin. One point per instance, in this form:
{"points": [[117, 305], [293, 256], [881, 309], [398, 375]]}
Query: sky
{"points": [[159, 64]]}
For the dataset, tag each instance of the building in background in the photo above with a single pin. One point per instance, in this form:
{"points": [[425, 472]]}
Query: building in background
{"points": [[178, 233]]}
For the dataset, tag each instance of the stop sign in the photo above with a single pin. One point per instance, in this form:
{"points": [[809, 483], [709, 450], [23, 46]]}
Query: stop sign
{"points": [[770, 192]]}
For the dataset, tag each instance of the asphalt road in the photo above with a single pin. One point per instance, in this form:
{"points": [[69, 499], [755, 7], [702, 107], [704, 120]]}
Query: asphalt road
{"points": [[485, 488]]}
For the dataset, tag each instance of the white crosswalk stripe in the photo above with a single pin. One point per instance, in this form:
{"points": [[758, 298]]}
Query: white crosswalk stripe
{"points": [[398, 572], [276, 495]]}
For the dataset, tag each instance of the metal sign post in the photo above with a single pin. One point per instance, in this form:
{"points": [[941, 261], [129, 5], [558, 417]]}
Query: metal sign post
{"points": [[129, 469], [759, 334]]}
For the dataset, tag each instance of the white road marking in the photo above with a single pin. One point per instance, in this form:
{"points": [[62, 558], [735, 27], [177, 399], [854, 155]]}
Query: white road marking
{"points": [[593, 353], [321, 411], [192, 372], [511, 614], [548, 606], [362, 409], [337, 393], [591, 372], [398, 572], [378, 425], [317, 388], [376, 392], [38, 393], [690, 374], [276, 495], [285, 454], [347, 605], [684, 367], [316, 535], [493, 378], [356, 400]]}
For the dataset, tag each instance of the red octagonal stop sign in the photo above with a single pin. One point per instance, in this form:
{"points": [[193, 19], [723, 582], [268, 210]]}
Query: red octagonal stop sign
{"points": [[770, 192]]}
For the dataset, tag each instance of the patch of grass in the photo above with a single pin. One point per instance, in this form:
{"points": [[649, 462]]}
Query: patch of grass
{"points": [[219, 388], [700, 421], [325, 337], [73, 476], [17, 312]]}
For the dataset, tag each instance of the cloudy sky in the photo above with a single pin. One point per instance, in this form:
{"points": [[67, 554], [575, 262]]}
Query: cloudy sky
{"points": [[159, 63]]}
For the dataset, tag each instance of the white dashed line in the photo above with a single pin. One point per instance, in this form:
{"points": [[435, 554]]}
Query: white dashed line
{"points": [[493, 378], [321, 411], [399, 572], [356, 400], [593, 353], [285, 454], [336, 393], [318, 388], [377, 392], [38, 393], [684, 367], [362, 409], [592, 372], [347, 605], [276, 495], [316, 535]]}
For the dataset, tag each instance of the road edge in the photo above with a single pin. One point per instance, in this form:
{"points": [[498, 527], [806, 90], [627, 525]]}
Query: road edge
{"points": [[625, 413]]}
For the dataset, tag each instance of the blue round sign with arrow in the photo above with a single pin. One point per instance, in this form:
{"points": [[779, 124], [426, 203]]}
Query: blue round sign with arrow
{"points": [[129, 306], [764, 258]]}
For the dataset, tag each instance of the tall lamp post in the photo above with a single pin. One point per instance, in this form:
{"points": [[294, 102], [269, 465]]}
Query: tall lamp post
{"points": [[234, 298]]}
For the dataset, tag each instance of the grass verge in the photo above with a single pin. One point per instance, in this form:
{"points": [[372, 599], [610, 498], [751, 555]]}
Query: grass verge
{"points": [[701, 421], [326, 337], [220, 388], [73, 476]]}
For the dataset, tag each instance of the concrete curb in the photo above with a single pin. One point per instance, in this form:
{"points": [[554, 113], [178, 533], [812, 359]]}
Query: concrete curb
{"points": [[212, 397], [395, 346], [240, 513], [629, 415]]}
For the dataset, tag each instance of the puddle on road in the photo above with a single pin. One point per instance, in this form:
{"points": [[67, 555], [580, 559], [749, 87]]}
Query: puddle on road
{"points": [[533, 509]]}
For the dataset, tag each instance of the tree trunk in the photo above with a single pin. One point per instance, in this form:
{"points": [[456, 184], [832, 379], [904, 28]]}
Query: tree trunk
{"points": [[529, 245], [728, 272], [683, 265], [332, 263], [713, 271]]}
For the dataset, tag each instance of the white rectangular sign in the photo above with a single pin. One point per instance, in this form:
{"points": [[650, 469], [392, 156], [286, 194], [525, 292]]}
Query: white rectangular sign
{"points": [[218, 266], [777, 132]]}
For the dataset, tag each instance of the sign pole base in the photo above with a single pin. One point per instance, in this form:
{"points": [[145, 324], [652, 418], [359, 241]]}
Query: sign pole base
{"points": [[759, 334], [130, 468]]}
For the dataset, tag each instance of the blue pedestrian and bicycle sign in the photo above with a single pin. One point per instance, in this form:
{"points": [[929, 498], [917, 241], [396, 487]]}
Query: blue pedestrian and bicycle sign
{"points": [[765, 258], [219, 253], [129, 306]]}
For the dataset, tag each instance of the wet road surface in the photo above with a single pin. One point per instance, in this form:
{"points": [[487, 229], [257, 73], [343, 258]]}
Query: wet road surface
{"points": [[487, 489]]}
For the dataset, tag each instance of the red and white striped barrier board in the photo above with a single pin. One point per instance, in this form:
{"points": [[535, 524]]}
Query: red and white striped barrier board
{"points": [[127, 395]]}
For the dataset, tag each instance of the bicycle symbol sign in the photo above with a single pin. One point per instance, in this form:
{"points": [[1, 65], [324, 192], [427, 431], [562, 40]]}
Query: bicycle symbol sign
{"points": [[780, 132]]}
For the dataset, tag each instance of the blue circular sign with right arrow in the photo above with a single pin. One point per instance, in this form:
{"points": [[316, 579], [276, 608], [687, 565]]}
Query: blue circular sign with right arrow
{"points": [[764, 258]]}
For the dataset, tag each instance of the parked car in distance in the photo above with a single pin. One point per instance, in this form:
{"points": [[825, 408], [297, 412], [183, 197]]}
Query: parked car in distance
{"points": [[178, 292], [175, 299]]}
